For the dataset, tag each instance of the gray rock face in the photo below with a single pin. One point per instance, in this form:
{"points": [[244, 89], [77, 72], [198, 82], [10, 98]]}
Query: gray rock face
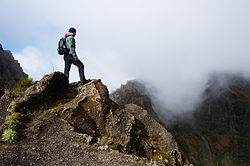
{"points": [[89, 111], [10, 70]]}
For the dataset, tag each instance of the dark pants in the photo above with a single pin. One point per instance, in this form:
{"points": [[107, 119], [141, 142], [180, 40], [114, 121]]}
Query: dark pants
{"points": [[69, 59]]}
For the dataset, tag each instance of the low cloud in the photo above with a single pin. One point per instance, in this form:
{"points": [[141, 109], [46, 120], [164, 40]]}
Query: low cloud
{"points": [[172, 45], [35, 63]]}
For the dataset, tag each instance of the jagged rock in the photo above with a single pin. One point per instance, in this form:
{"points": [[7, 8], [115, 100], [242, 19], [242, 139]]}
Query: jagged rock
{"points": [[89, 111], [161, 140], [10, 71], [87, 107], [135, 92], [43, 93]]}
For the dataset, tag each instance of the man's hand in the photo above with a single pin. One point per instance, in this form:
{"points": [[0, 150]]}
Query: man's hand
{"points": [[76, 59]]}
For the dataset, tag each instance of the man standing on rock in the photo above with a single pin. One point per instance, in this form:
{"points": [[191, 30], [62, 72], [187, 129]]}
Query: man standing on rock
{"points": [[71, 57]]}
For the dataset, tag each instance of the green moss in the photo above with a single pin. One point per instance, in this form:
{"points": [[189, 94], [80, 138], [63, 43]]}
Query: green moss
{"points": [[16, 116], [9, 135], [57, 106], [55, 110]]}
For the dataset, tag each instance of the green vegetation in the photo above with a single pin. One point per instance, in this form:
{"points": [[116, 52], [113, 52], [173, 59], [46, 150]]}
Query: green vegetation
{"points": [[6, 91], [23, 94], [9, 135], [13, 124], [16, 116], [12, 105], [26, 95], [23, 82], [55, 109]]}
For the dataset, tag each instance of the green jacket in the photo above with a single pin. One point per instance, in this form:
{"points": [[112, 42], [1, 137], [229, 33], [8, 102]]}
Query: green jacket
{"points": [[71, 45]]}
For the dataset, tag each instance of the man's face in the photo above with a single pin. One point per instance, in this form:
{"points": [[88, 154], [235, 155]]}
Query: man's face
{"points": [[74, 33]]}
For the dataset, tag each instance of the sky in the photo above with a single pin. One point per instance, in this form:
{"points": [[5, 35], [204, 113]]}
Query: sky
{"points": [[173, 45]]}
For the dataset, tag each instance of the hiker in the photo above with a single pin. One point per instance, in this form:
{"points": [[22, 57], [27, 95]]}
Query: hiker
{"points": [[71, 57]]}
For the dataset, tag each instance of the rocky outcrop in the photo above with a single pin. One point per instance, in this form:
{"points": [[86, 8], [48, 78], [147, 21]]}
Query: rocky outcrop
{"points": [[10, 70], [134, 92], [88, 109]]}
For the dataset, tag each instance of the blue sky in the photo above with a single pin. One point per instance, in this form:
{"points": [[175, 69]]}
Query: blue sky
{"points": [[173, 45]]}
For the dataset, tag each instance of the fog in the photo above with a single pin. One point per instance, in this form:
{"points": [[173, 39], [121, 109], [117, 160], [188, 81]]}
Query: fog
{"points": [[172, 45]]}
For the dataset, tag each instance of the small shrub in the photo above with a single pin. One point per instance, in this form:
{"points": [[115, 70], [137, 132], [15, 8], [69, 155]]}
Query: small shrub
{"points": [[13, 124], [23, 82], [16, 116], [9, 135]]}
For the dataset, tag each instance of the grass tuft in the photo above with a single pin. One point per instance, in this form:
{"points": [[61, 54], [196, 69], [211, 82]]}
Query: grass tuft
{"points": [[23, 82], [9, 135]]}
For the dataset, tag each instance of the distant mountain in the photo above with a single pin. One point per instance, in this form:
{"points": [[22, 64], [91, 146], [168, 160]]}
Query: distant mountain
{"points": [[218, 131], [10, 70]]}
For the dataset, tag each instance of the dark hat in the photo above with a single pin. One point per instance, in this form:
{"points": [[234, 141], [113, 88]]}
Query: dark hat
{"points": [[72, 30]]}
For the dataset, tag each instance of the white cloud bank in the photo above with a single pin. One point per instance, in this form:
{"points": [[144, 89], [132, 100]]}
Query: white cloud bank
{"points": [[173, 45], [35, 63]]}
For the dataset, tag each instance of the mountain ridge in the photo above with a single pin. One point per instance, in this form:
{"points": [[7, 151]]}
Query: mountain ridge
{"points": [[217, 131]]}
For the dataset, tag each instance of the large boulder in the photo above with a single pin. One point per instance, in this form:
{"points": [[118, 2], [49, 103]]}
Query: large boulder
{"points": [[42, 94]]}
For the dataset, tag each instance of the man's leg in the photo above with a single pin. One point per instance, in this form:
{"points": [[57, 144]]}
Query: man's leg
{"points": [[80, 66], [67, 66]]}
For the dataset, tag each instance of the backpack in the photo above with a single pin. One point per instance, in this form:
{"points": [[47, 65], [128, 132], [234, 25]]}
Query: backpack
{"points": [[62, 48]]}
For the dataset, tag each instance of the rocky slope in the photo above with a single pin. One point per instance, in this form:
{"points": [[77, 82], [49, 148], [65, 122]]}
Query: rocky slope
{"points": [[10, 70], [62, 120], [219, 131]]}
